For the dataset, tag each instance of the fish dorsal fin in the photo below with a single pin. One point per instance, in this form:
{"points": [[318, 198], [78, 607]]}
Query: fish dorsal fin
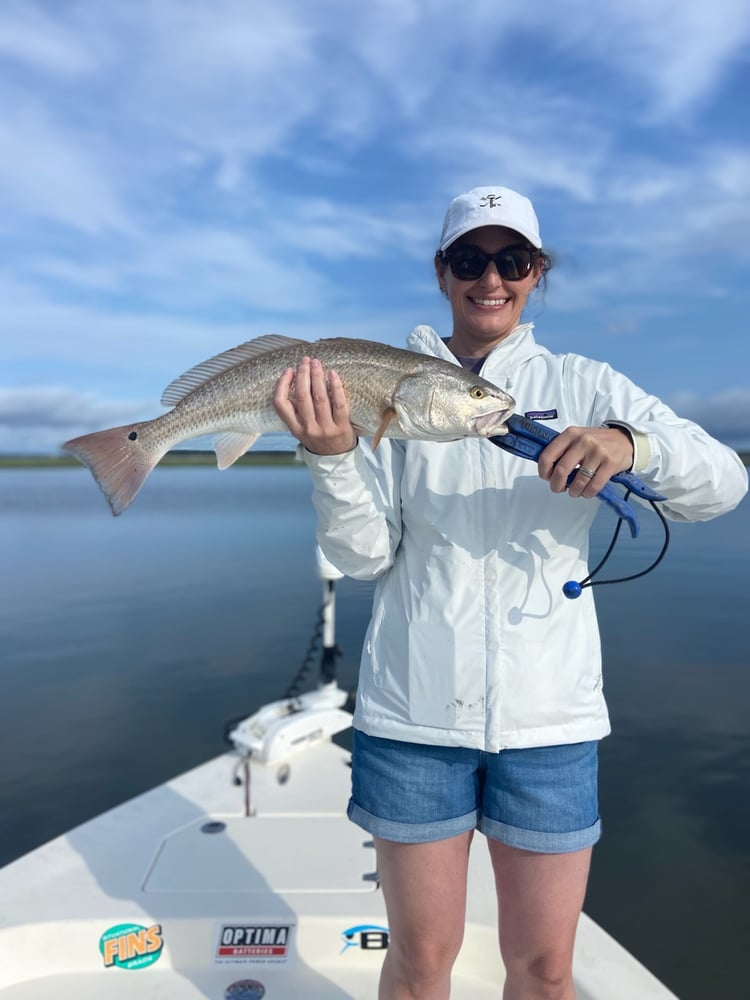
{"points": [[206, 370]]}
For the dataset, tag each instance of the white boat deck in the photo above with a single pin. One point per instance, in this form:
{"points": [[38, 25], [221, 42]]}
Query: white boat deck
{"points": [[285, 902]]}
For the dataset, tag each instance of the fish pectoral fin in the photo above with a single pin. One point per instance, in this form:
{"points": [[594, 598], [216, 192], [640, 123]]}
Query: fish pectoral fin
{"points": [[231, 446], [388, 415]]}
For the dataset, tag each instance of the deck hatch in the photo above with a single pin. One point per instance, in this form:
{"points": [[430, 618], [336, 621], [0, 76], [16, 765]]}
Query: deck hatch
{"points": [[263, 855]]}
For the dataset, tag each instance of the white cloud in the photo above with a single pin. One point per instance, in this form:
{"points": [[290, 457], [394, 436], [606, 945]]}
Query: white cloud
{"points": [[335, 230], [548, 148], [34, 39], [221, 79], [78, 338], [54, 407], [48, 171], [677, 51], [726, 414], [691, 50], [179, 177], [187, 89], [38, 419], [140, 351], [207, 266]]}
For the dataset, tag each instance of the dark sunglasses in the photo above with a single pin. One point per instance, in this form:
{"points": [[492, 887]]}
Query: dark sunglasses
{"points": [[468, 263]]}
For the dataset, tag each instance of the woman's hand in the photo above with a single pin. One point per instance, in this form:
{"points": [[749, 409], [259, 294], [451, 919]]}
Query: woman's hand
{"points": [[314, 407], [601, 451]]}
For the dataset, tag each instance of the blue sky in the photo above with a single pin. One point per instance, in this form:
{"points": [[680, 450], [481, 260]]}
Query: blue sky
{"points": [[179, 176]]}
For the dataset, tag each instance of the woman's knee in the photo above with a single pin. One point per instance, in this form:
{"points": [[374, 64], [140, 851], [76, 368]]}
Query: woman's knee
{"points": [[422, 961], [548, 976]]}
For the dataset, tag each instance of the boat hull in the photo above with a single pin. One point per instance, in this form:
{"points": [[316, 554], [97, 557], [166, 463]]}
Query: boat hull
{"points": [[179, 894]]}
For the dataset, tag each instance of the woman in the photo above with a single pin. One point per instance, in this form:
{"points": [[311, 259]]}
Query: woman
{"points": [[480, 700]]}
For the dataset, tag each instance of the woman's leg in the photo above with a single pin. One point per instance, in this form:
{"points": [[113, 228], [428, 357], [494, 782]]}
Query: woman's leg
{"points": [[540, 897], [424, 886]]}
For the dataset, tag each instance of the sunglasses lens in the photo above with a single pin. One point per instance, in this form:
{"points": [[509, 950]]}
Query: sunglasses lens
{"points": [[470, 263], [513, 263]]}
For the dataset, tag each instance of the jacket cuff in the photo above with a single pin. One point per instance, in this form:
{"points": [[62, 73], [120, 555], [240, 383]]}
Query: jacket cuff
{"points": [[329, 463], [641, 444]]}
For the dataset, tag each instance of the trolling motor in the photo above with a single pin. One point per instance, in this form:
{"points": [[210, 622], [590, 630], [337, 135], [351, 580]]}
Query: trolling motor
{"points": [[527, 439]]}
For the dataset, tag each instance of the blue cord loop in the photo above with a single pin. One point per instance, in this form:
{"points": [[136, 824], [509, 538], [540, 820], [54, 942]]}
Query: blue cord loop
{"points": [[527, 439]]}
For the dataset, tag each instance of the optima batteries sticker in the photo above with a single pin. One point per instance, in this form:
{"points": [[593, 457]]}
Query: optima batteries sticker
{"points": [[246, 943], [131, 946]]}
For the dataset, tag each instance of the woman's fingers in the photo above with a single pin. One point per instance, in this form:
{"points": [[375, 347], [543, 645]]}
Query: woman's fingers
{"points": [[282, 400], [590, 454], [313, 405]]}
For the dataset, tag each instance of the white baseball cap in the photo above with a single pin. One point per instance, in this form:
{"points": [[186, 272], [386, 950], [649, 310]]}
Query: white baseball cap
{"points": [[490, 206]]}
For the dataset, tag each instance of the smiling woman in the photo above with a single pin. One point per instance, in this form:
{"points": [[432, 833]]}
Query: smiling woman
{"points": [[458, 676], [488, 277], [179, 177]]}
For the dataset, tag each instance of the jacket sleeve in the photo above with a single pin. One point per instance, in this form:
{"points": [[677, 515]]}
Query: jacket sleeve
{"points": [[700, 476], [357, 501]]}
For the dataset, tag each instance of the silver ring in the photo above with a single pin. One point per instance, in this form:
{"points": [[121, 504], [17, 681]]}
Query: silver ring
{"points": [[586, 472]]}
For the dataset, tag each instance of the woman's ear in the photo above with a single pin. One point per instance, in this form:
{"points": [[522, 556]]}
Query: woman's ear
{"points": [[440, 273]]}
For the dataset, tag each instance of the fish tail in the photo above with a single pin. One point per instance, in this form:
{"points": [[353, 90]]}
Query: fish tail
{"points": [[120, 460]]}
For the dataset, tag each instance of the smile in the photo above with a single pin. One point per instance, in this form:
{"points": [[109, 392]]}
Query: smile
{"points": [[489, 302]]}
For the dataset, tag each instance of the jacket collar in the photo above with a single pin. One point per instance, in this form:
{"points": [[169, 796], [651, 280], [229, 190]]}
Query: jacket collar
{"points": [[502, 361]]}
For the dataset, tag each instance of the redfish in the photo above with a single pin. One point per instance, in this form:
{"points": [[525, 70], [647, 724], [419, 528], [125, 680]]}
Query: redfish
{"points": [[391, 393]]}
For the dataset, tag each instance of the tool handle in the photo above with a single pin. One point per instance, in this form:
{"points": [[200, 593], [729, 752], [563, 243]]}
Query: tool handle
{"points": [[527, 439]]}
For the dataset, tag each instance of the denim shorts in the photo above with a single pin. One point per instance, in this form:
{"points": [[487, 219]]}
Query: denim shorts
{"points": [[539, 799]]}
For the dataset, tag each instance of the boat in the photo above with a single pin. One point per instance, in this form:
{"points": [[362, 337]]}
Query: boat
{"points": [[243, 878]]}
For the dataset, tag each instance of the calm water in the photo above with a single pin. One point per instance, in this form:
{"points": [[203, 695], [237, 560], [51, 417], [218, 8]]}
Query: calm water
{"points": [[125, 645]]}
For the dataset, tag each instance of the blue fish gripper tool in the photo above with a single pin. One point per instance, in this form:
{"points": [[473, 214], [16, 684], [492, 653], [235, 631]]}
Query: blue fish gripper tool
{"points": [[527, 439]]}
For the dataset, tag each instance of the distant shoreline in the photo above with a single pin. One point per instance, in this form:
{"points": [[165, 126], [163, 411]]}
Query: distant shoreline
{"points": [[180, 458]]}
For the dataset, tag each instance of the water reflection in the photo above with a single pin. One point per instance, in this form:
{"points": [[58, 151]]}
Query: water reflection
{"points": [[126, 643]]}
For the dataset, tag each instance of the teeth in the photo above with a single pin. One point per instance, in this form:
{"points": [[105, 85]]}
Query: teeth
{"points": [[490, 302]]}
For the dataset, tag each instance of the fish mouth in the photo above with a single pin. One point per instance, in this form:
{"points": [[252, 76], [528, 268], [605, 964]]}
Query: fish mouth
{"points": [[493, 423]]}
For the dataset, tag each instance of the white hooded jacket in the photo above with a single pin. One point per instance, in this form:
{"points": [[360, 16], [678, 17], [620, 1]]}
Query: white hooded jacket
{"points": [[471, 641]]}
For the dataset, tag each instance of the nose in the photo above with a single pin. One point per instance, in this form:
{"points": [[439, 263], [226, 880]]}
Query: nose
{"points": [[491, 274]]}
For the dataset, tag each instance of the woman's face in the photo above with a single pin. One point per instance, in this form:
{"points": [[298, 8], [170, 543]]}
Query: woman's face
{"points": [[488, 308]]}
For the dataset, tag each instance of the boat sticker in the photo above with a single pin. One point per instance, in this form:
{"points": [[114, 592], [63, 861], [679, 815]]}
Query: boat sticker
{"points": [[368, 937], [131, 946], [246, 943], [245, 989]]}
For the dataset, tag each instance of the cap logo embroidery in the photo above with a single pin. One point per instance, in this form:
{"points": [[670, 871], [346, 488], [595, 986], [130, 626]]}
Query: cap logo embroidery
{"points": [[490, 200]]}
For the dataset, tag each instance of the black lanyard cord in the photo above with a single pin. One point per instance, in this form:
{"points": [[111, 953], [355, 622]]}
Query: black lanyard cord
{"points": [[573, 588]]}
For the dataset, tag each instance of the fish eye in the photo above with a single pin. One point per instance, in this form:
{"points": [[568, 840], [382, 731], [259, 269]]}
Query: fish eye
{"points": [[477, 392]]}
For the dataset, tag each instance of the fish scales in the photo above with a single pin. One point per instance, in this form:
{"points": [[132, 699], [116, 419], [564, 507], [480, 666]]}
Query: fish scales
{"points": [[391, 393], [243, 393]]}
